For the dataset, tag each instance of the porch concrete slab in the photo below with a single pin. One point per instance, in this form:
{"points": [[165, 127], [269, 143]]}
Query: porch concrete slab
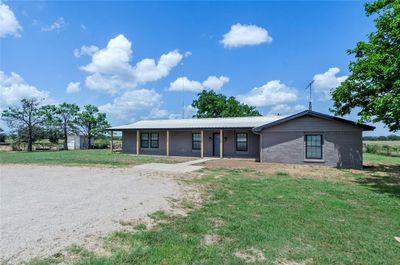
{"points": [[184, 167]]}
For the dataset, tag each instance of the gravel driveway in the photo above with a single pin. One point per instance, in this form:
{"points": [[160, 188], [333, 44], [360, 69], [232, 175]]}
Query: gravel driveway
{"points": [[46, 208]]}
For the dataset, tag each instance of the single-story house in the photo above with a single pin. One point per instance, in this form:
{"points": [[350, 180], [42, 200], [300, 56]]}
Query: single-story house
{"points": [[305, 137]]}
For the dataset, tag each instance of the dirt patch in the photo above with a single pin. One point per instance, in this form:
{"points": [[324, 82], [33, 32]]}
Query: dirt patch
{"points": [[47, 208], [250, 255], [211, 239], [216, 222]]}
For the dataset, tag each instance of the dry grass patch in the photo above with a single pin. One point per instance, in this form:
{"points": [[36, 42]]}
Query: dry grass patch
{"points": [[250, 255], [211, 239]]}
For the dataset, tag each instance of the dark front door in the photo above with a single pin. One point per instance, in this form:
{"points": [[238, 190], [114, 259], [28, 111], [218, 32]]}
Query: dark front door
{"points": [[216, 144]]}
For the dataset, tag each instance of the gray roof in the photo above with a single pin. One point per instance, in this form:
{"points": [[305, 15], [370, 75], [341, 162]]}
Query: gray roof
{"points": [[209, 123], [256, 123], [311, 113]]}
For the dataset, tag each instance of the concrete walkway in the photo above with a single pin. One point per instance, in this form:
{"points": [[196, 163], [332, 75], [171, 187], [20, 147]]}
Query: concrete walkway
{"points": [[175, 168]]}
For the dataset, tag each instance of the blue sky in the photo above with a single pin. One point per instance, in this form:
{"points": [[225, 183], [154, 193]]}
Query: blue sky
{"points": [[130, 58]]}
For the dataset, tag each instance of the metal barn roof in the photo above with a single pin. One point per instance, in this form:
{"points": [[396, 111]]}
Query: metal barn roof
{"points": [[209, 123]]}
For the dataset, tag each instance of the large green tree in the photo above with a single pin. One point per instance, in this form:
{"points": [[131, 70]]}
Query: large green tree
{"points": [[212, 105], [64, 117], [373, 86], [26, 119], [92, 122]]}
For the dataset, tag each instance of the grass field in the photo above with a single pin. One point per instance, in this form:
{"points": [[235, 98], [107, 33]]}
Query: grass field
{"points": [[81, 157], [388, 148], [268, 219]]}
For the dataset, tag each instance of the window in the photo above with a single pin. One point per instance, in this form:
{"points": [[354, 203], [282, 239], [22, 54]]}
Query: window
{"points": [[144, 140], [241, 142], [196, 141], [313, 146], [154, 140]]}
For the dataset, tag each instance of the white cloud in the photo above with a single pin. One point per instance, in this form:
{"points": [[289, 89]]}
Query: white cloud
{"points": [[215, 83], [110, 69], [188, 53], [185, 84], [190, 111], [9, 24], [85, 50], [299, 108], [73, 87], [281, 109], [56, 25], [124, 106], [13, 88], [241, 35], [272, 93], [323, 83], [148, 70]]}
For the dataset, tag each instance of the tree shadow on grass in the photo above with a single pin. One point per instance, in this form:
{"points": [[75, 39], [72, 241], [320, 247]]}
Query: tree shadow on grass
{"points": [[382, 179]]}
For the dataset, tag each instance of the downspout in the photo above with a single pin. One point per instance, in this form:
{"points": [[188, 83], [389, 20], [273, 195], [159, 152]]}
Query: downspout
{"points": [[260, 142]]}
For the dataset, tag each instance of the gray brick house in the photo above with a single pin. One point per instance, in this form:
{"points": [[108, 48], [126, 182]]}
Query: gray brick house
{"points": [[305, 137]]}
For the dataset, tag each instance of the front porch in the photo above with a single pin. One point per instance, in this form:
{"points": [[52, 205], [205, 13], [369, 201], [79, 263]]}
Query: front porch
{"points": [[241, 143]]}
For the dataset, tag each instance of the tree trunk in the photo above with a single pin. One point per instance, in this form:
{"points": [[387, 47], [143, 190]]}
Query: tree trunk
{"points": [[65, 138], [29, 139], [89, 141]]}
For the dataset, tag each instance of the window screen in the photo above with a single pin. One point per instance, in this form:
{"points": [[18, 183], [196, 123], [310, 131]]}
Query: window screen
{"points": [[196, 141], [241, 142], [313, 146], [154, 141], [144, 140]]}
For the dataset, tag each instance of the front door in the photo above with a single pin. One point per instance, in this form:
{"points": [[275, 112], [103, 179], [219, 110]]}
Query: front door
{"points": [[216, 144]]}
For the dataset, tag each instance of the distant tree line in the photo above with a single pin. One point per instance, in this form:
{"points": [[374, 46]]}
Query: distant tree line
{"points": [[32, 121], [382, 138]]}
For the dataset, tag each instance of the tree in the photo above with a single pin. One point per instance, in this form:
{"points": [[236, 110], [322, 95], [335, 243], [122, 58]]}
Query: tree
{"points": [[2, 135], [374, 82], [213, 105], [64, 117], [92, 122], [26, 119]]}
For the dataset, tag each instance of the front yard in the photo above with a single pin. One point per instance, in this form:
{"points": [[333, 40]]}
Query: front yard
{"points": [[269, 215], [82, 157]]}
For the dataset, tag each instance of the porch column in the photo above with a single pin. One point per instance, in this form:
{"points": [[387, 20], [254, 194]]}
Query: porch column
{"points": [[167, 142], [137, 142], [221, 144], [112, 141], [202, 144]]}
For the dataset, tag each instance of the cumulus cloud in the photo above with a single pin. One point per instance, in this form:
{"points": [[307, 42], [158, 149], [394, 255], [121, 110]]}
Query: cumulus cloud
{"points": [[299, 107], [110, 69], [13, 88], [323, 83], [149, 70], [272, 93], [242, 35], [56, 25], [73, 87], [9, 24], [85, 50], [215, 83], [185, 84], [124, 106], [285, 109]]}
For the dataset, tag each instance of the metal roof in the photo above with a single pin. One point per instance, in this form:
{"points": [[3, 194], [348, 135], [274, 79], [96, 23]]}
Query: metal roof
{"points": [[208, 123], [365, 127]]}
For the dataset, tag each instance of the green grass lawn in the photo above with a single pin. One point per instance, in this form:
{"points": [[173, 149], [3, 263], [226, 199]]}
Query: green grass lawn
{"points": [[81, 157], [273, 219], [380, 159]]}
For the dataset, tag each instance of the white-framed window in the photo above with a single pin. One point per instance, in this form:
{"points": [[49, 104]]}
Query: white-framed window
{"points": [[313, 146], [241, 142], [196, 141]]}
